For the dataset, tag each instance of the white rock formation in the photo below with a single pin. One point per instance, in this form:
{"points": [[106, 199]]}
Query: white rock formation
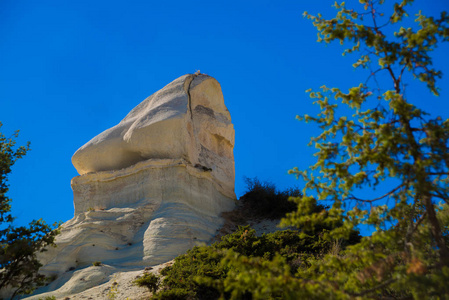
{"points": [[186, 119], [151, 187]]}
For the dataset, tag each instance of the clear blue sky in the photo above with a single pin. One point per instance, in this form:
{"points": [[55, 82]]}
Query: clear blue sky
{"points": [[71, 69]]}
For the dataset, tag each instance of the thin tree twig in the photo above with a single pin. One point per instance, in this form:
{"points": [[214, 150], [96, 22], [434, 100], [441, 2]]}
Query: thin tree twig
{"points": [[378, 198], [369, 291]]}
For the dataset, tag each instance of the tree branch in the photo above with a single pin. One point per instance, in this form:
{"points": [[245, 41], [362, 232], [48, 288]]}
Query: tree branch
{"points": [[352, 197], [382, 285]]}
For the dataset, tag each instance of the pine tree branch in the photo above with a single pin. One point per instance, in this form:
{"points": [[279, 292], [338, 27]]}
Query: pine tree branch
{"points": [[372, 290], [352, 197]]}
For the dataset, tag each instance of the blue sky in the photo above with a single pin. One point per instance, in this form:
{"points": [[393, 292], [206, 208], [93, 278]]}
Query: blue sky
{"points": [[71, 69]]}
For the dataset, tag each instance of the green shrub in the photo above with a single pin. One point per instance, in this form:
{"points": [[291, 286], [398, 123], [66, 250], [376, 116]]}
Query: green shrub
{"points": [[199, 261], [201, 273], [174, 294], [148, 280], [206, 272], [296, 248], [96, 263], [48, 298]]}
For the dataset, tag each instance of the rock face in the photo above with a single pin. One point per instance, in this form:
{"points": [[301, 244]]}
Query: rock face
{"points": [[152, 186], [186, 119]]}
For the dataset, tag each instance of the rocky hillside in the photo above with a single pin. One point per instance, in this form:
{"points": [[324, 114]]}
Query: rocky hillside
{"points": [[150, 188]]}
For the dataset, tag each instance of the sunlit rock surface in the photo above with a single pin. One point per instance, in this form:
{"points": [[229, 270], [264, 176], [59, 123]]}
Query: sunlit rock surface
{"points": [[150, 187], [186, 119]]}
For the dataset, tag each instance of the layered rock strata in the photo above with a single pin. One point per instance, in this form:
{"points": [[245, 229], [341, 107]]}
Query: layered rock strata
{"points": [[186, 119], [152, 186]]}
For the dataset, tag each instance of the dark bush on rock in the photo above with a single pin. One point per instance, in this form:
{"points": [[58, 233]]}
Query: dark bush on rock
{"points": [[265, 201], [148, 280]]}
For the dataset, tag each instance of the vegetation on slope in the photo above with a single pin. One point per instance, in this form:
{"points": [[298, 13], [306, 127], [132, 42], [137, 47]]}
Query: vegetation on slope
{"points": [[381, 162], [208, 272], [18, 245]]}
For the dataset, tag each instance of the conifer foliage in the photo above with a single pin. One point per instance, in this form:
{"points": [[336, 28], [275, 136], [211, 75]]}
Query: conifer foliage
{"points": [[18, 245], [386, 142], [382, 162]]}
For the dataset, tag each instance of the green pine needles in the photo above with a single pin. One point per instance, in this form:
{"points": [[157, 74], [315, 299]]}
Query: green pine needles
{"points": [[243, 264], [382, 162], [385, 138], [18, 245]]}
